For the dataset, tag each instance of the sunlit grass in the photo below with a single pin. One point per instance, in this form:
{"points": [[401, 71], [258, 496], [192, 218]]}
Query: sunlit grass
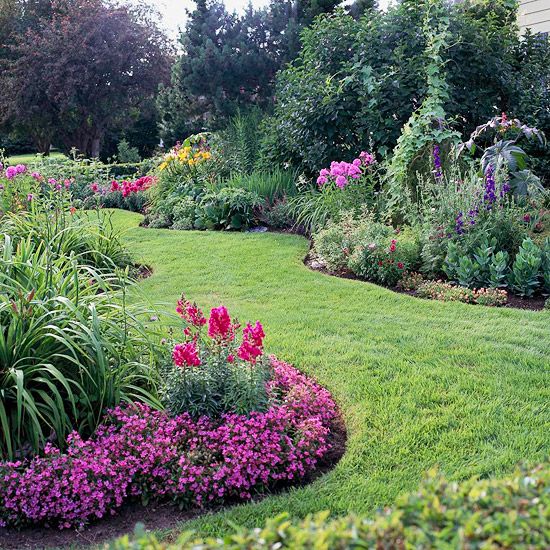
{"points": [[420, 383]]}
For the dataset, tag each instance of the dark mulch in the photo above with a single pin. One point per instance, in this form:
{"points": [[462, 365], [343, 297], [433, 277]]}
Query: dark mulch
{"points": [[155, 516], [517, 302], [142, 271]]}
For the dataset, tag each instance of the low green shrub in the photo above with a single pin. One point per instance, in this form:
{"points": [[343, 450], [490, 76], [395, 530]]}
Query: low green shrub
{"points": [[410, 281], [446, 292], [229, 208], [511, 513], [524, 276], [184, 214], [369, 249]]}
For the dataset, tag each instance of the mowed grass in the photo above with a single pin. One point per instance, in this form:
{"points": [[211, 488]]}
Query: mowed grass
{"points": [[30, 157], [421, 384]]}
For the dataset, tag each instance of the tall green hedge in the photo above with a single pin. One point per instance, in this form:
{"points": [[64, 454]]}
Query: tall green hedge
{"points": [[504, 514]]}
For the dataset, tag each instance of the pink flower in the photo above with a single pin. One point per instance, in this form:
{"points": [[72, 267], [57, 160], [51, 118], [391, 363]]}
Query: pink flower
{"points": [[94, 187], [186, 355], [115, 186], [190, 312], [392, 248], [36, 176], [341, 181], [324, 172], [367, 158], [400, 265], [11, 172], [252, 344], [357, 162], [321, 180], [30, 197], [52, 181], [219, 324], [21, 168]]}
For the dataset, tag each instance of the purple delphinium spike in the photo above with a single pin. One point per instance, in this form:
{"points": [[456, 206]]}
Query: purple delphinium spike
{"points": [[437, 162]]}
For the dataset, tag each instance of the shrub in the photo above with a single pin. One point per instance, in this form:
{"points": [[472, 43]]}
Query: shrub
{"points": [[446, 292], [229, 208], [384, 259], [69, 346], [184, 214], [524, 276], [410, 281], [138, 453], [214, 373], [487, 513]]}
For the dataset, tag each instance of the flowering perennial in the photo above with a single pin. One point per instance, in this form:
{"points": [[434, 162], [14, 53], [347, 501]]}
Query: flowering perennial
{"points": [[141, 453], [340, 173]]}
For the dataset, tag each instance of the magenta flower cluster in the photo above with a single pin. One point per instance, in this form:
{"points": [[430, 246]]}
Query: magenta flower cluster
{"points": [[342, 172], [13, 171], [140, 453]]}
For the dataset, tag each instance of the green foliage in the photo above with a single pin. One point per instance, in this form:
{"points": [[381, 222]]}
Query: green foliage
{"points": [[215, 387], [489, 513], [126, 153], [229, 208], [524, 276], [184, 214], [270, 186], [357, 82], [371, 250], [69, 347], [238, 143], [427, 126]]}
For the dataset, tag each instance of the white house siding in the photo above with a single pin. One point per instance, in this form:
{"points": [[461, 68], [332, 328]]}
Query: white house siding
{"points": [[535, 14]]}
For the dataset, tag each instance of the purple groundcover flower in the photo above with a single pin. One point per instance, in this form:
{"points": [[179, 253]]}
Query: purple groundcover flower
{"points": [[138, 452]]}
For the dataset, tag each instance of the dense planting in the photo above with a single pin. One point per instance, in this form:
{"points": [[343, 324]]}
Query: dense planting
{"points": [[508, 513], [138, 453]]}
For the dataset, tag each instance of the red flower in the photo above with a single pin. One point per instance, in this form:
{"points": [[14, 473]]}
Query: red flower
{"points": [[400, 265], [392, 248]]}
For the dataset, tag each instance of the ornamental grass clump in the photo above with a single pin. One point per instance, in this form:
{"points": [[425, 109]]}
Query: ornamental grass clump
{"points": [[70, 346], [217, 367]]}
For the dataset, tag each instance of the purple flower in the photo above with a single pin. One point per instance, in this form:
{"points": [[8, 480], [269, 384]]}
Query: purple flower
{"points": [[437, 162], [459, 227], [21, 168], [30, 197], [489, 195]]}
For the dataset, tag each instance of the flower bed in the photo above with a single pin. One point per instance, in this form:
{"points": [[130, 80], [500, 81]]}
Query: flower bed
{"points": [[139, 453]]}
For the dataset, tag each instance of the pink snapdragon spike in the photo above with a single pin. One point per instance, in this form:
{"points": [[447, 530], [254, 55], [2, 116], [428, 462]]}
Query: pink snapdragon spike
{"points": [[141, 454], [190, 313], [252, 345], [186, 355], [220, 326]]}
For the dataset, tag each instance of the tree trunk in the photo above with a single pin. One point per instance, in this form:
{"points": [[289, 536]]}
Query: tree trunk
{"points": [[95, 150]]}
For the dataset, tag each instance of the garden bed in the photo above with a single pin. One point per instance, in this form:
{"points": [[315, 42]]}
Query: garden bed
{"points": [[535, 303], [307, 438]]}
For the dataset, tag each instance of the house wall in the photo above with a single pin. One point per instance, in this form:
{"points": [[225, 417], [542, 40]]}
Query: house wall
{"points": [[535, 14]]}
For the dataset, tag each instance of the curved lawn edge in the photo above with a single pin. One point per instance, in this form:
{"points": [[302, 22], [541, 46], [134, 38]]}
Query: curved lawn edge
{"points": [[420, 383]]}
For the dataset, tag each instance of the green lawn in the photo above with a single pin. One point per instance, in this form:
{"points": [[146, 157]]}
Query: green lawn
{"points": [[420, 383], [28, 158]]}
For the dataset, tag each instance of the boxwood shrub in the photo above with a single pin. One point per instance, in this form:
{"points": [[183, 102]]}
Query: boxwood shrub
{"points": [[508, 513]]}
